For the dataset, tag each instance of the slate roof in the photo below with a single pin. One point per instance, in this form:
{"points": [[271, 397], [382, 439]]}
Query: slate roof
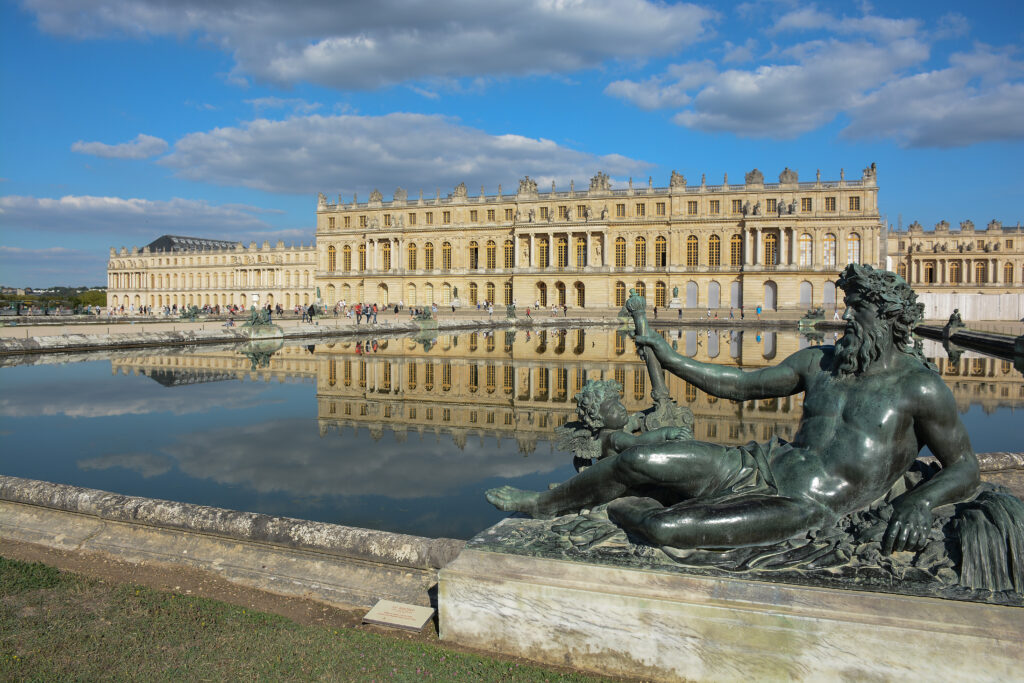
{"points": [[179, 243]]}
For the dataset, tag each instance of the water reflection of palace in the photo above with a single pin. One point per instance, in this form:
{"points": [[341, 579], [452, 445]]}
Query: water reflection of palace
{"points": [[507, 385]]}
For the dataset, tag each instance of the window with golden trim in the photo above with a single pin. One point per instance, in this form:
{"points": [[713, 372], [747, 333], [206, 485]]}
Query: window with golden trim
{"points": [[771, 249], [640, 252], [446, 217], [659, 294], [715, 206], [854, 203], [509, 254], [490, 215], [829, 250], [509, 214], [737, 206], [385, 255], [620, 210], [347, 221], [641, 210], [446, 256], [620, 295], [362, 222], [473, 298], [659, 209], [474, 255], [490, 296], [691, 207], [830, 203], [853, 248], [543, 253], [332, 258], [714, 250], [660, 252], [411, 256], [581, 252], [428, 256], [562, 252], [543, 213], [429, 217], [473, 214], [692, 251], [771, 206], [412, 218], [492, 255], [387, 220], [330, 223], [806, 204], [563, 213], [806, 250], [620, 252], [362, 257], [507, 290]]}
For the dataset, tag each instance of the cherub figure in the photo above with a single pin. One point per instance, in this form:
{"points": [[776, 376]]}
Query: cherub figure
{"points": [[605, 427]]}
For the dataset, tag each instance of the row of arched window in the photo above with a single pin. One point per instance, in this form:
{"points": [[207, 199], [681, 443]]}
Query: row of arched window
{"points": [[929, 273]]}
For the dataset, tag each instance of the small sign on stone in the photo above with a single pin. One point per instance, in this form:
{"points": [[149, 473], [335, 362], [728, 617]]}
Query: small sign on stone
{"points": [[399, 615]]}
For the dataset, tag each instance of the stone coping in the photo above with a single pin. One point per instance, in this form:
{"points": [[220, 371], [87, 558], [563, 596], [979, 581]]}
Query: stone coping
{"points": [[380, 547]]}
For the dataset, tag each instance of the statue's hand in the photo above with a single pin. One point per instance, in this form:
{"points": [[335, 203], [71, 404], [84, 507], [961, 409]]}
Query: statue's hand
{"points": [[677, 434], [908, 527], [647, 339]]}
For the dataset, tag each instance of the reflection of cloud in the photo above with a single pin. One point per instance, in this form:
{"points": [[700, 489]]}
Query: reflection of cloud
{"points": [[289, 455], [146, 464], [109, 399]]}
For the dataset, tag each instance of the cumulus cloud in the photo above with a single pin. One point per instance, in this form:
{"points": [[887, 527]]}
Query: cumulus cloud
{"points": [[978, 98], [372, 44], [107, 215], [869, 69], [783, 101], [351, 153], [295, 104], [142, 147]]}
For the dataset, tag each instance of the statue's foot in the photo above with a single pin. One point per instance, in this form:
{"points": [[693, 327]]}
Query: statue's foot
{"points": [[511, 499]]}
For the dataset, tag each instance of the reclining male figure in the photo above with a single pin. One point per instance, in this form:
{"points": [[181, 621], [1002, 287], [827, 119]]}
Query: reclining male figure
{"points": [[871, 403]]}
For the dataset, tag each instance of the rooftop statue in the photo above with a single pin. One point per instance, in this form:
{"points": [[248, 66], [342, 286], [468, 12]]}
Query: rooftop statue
{"points": [[847, 494]]}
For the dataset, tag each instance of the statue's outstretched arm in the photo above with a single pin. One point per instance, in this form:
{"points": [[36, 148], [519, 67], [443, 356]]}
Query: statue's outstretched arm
{"points": [[937, 426], [784, 379]]}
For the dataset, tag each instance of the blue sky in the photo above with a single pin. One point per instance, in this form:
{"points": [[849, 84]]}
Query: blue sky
{"points": [[122, 120]]}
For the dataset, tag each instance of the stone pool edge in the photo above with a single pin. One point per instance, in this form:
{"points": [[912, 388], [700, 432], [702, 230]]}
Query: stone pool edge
{"points": [[331, 563]]}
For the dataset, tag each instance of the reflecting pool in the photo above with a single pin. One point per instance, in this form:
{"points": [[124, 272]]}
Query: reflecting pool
{"points": [[401, 434]]}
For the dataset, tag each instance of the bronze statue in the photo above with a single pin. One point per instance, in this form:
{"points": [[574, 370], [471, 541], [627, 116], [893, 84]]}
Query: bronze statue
{"points": [[872, 403]]}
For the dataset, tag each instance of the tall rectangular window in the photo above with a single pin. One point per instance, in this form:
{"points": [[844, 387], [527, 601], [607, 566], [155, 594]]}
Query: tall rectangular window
{"points": [[691, 208], [543, 213], [620, 210], [771, 205], [509, 214], [472, 216], [659, 209], [830, 203], [806, 204], [362, 221], [641, 210], [581, 210], [387, 220], [737, 206], [348, 221], [854, 203], [715, 206], [429, 216], [412, 219], [446, 217], [563, 213], [330, 223], [490, 215]]}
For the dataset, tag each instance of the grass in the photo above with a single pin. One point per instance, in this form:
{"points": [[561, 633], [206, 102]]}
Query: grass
{"points": [[60, 626]]}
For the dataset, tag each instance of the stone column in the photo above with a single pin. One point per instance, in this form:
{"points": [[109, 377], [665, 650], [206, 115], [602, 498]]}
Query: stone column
{"points": [[533, 250], [748, 247], [784, 245]]}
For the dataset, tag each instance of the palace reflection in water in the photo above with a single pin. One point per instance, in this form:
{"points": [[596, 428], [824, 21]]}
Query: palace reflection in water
{"points": [[519, 385]]}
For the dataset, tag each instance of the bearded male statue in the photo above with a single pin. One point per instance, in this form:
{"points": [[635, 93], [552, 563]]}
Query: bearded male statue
{"points": [[871, 404]]}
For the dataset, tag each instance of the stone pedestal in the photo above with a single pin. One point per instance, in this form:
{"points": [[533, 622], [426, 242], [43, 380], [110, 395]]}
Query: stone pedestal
{"points": [[676, 626], [675, 302]]}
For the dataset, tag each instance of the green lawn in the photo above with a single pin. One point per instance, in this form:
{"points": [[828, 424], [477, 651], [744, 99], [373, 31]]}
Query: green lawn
{"points": [[60, 626]]}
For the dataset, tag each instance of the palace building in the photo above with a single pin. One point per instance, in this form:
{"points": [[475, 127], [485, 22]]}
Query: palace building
{"points": [[978, 270], [191, 271], [776, 245]]}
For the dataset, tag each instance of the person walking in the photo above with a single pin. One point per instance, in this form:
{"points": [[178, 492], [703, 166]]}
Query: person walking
{"points": [[375, 314]]}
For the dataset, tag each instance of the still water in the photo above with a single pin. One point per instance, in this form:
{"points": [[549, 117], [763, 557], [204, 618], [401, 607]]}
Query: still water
{"points": [[392, 434]]}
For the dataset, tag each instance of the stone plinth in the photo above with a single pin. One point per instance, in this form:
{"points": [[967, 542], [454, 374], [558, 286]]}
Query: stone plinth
{"points": [[674, 626], [676, 302]]}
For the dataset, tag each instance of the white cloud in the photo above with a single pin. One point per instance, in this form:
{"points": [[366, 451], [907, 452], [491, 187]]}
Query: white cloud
{"points": [[116, 215], [142, 147], [739, 53], [298, 105], [372, 44], [666, 90], [978, 98], [347, 154]]}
